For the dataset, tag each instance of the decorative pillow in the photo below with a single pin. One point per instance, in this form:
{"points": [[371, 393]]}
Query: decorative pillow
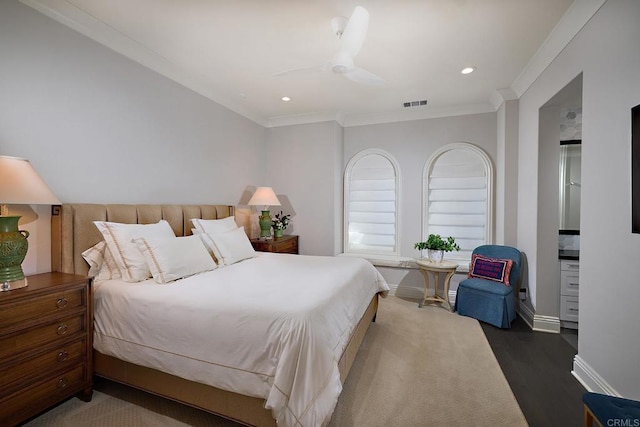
{"points": [[233, 246], [102, 266], [208, 227], [175, 257], [495, 269], [118, 237]]}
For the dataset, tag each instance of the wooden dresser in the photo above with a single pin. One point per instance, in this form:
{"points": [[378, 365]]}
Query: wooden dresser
{"points": [[284, 245], [45, 345]]}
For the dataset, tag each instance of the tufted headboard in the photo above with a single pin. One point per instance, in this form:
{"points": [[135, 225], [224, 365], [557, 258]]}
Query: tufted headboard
{"points": [[73, 231]]}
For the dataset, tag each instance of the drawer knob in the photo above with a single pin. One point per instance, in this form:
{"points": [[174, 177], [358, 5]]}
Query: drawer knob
{"points": [[63, 356], [62, 383], [62, 329], [62, 302]]}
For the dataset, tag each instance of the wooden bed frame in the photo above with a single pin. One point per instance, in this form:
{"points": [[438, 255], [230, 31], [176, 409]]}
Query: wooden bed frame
{"points": [[72, 232]]}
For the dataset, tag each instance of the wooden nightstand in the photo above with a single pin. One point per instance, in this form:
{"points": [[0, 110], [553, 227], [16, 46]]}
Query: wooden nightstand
{"points": [[45, 345], [283, 245]]}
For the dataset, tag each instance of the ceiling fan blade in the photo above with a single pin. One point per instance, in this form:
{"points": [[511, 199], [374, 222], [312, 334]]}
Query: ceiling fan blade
{"points": [[359, 75], [355, 32], [303, 71]]}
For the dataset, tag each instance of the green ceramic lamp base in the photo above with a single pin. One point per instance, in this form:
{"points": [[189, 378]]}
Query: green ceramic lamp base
{"points": [[13, 249], [265, 224]]}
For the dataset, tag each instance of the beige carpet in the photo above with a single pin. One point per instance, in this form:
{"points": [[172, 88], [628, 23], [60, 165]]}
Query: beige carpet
{"points": [[416, 367]]}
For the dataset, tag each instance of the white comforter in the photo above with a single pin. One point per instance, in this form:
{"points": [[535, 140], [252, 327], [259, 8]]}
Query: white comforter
{"points": [[273, 327]]}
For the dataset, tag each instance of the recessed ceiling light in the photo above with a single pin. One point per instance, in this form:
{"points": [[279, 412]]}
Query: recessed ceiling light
{"points": [[286, 99], [468, 70]]}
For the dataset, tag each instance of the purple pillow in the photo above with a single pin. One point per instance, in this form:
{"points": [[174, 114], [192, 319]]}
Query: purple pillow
{"points": [[495, 269]]}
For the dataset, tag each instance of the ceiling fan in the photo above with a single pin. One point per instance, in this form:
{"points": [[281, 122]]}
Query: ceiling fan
{"points": [[352, 33]]}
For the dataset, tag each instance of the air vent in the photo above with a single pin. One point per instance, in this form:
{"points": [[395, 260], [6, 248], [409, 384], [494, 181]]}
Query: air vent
{"points": [[414, 103]]}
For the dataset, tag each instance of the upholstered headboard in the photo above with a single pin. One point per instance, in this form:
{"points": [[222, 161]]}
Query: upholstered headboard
{"points": [[73, 231]]}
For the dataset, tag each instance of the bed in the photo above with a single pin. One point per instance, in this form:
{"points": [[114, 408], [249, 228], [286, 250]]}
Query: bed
{"points": [[295, 378]]}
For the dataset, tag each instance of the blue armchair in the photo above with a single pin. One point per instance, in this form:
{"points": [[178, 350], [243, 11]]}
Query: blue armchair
{"points": [[486, 300]]}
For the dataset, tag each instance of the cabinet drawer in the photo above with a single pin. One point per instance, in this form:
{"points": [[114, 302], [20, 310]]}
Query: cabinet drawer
{"points": [[57, 302], [289, 247], [569, 308], [62, 329], [60, 358], [33, 400], [568, 265], [569, 283]]}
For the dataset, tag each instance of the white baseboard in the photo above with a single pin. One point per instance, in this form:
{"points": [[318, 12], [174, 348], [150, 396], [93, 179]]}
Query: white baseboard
{"points": [[526, 313], [546, 324], [538, 322], [590, 379]]}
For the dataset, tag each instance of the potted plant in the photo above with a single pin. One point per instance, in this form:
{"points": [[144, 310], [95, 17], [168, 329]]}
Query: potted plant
{"points": [[280, 223], [436, 246]]}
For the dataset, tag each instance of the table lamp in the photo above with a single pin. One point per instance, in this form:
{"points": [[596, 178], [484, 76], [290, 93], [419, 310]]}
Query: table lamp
{"points": [[20, 184], [265, 197]]}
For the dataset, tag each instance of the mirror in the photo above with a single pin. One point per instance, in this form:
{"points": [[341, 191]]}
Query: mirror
{"points": [[569, 185]]}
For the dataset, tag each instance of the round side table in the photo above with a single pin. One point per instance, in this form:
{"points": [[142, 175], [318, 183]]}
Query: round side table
{"points": [[435, 268]]}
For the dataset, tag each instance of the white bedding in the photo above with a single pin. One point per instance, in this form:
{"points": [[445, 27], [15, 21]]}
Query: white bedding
{"points": [[273, 327]]}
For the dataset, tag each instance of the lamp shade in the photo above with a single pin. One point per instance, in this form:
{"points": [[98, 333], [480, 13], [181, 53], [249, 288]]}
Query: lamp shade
{"points": [[264, 196], [20, 184]]}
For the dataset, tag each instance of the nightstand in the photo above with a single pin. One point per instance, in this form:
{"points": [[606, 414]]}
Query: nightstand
{"points": [[45, 345], [283, 245]]}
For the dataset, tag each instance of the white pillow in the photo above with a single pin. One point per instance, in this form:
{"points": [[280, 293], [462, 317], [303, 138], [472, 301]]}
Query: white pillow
{"points": [[130, 261], [175, 257], [233, 245], [102, 266], [208, 227]]}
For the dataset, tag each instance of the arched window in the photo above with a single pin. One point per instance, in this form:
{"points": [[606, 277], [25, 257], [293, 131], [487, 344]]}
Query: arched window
{"points": [[458, 197], [371, 194]]}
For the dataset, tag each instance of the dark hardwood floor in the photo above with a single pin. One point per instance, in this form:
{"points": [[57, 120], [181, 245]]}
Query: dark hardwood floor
{"points": [[538, 366]]}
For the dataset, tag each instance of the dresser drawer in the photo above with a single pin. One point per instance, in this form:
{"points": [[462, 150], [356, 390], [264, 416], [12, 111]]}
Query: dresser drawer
{"points": [[569, 308], [289, 246], [54, 303], [569, 283], [58, 330], [64, 357], [568, 265], [33, 400]]}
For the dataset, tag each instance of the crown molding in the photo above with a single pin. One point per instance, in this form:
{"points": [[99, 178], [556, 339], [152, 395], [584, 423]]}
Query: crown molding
{"points": [[500, 96], [576, 17], [416, 114], [349, 120]]}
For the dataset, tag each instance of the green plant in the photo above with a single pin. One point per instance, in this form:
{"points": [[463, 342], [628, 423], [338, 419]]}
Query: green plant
{"points": [[280, 221], [435, 242]]}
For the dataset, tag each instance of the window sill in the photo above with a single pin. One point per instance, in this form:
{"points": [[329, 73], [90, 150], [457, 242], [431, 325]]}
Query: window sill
{"points": [[402, 262]]}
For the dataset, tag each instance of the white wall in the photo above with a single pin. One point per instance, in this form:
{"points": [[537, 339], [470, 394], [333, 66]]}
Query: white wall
{"points": [[507, 173], [547, 303], [101, 128], [303, 164], [606, 50]]}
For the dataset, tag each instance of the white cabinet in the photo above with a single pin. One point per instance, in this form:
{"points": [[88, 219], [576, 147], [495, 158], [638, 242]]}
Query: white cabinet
{"points": [[569, 289]]}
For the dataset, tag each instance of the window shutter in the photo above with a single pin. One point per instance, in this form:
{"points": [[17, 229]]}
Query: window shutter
{"points": [[371, 205], [458, 198]]}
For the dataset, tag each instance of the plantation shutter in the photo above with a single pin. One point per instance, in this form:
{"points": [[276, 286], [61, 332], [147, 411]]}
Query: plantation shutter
{"points": [[458, 200], [371, 206]]}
